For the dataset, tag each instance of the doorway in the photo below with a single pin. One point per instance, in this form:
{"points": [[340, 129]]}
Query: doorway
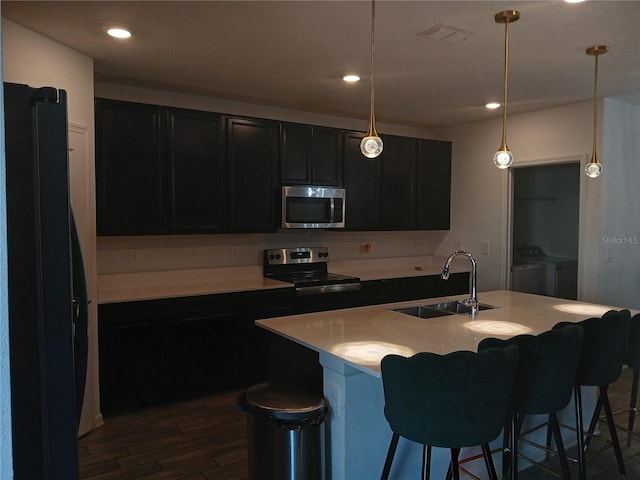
{"points": [[545, 229]]}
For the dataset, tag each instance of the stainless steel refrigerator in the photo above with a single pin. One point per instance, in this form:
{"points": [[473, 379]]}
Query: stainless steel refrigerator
{"points": [[47, 294]]}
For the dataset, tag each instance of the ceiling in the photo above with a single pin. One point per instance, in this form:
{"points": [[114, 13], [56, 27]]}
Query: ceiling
{"points": [[292, 54]]}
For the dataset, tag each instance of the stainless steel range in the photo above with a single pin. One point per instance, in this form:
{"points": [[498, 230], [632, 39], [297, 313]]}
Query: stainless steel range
{"points": [[307, 269]]}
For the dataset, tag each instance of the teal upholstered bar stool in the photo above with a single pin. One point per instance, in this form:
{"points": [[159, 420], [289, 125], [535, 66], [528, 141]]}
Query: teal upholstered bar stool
{"points": [[544, 382], [632, 360], [604, 347], [450, 401]]}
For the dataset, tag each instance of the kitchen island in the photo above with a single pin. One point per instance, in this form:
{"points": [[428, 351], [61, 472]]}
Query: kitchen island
{"points": [[351, 343]]}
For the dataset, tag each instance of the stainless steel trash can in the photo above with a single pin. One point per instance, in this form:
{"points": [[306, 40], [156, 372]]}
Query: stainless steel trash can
{"points": [[285, 433]]}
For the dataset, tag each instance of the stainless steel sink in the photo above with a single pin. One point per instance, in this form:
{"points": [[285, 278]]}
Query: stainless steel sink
{"points": [[422, 311], [440, 309], [455, 306]]}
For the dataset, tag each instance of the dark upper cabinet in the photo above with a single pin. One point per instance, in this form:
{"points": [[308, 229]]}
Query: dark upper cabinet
{"points": [[252, 162], [362, 184], [158, 170], [399, 182], [129, 168], [310, 155], [195, 156], [162, 170], [434, 185]]}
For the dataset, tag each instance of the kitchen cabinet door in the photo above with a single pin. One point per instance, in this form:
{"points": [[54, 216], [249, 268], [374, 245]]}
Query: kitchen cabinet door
{"points": [[327, 157], [386, 290], [129, 168], [458, 283], [399, 159], [252, 160], [434, 185], [209, 345], [195, 157], [295, 154], [258, 305], [310, 155], [136, 356], [362, 183]]}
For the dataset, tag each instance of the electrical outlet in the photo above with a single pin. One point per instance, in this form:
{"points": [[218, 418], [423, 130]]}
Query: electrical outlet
{"points": [[456, 245], [484, 248]]}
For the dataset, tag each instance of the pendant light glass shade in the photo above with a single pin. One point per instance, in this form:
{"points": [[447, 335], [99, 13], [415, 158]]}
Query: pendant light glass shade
{"points": [[503, 157], [371, 145], [594, 167]]}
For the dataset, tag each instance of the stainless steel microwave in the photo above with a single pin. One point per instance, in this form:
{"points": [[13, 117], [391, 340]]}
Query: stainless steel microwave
{"points": [[312, 207]]}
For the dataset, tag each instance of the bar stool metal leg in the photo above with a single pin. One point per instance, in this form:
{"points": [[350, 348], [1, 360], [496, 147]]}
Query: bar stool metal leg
{"points": [[390, 454], [580, 433], [612, 430], [632, 405]]}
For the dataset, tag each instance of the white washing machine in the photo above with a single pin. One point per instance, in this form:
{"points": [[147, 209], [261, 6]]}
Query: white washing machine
{"points": [[528, 278], [560, 273]]}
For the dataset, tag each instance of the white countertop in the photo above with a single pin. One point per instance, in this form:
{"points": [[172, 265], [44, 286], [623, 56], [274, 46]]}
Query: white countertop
{"points": [[362, 336], [129, 287]]}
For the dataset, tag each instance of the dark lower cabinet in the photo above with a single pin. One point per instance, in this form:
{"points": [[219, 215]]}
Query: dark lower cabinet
{"points": [[412, 288], [256, 306], [458, 283], [138, 367], [159, 351], [209, 349], [155, 352], [380, 291]]}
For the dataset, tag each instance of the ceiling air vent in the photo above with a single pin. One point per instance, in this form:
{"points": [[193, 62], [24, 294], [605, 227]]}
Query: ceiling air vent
{"points": [[444, 33]]}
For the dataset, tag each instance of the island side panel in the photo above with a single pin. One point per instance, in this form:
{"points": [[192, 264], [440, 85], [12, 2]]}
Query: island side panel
{"points": [[357, 432]]}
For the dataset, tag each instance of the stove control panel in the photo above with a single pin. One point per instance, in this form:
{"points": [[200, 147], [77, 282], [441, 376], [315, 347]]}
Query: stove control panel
{"points": [[286, 256]]}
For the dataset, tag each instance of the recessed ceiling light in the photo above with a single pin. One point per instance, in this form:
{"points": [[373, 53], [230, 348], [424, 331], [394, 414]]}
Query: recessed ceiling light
{"points": [[118, 32], [351, 78], [574, 1], [493, 105]]}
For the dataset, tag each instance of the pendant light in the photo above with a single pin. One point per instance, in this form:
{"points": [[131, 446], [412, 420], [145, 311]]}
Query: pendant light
{"points": [[371, 145], [594, 167], [503, 157]]}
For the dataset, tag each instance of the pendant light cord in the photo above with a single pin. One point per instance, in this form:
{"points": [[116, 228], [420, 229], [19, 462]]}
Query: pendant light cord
{"points": [[595, 109], [372, 128], [503, 146]]}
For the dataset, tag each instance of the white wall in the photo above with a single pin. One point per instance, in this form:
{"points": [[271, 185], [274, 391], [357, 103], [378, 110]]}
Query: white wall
{"points": [[33, 59], [620, 235], [480, 191], [6, 458]]}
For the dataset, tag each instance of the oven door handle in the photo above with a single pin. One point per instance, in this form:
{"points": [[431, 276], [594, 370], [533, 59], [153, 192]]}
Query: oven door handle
{"points": [[334, 288]]}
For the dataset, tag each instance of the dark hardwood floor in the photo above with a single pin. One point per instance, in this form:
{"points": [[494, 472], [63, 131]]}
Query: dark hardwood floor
{"points": [[206, 439], [199, 439]]}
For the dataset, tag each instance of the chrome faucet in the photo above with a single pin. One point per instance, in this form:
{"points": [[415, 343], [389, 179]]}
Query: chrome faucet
{"points": [[473, 300]]}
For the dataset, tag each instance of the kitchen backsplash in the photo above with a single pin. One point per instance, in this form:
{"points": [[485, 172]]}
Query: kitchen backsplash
{"points": [[160, 253]]}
